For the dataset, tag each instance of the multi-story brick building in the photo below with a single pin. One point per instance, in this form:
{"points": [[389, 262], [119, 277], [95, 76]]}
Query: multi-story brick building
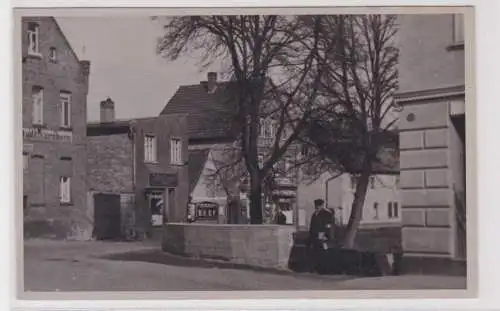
{"points": [[54, 112], [432, 140], [138, 174]]}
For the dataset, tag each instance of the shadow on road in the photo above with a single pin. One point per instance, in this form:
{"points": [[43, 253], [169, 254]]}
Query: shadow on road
{"points": [[160, 257]]}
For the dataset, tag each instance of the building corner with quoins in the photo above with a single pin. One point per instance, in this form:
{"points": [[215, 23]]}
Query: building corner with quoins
{"points": [[432, 143]]}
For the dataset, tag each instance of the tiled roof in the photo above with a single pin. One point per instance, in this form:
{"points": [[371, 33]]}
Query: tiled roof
{"points": [[196, 163], [208, 113]]}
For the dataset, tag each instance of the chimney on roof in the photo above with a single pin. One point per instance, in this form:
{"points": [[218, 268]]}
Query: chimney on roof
{"points": [[211, 82], [107, 110]]}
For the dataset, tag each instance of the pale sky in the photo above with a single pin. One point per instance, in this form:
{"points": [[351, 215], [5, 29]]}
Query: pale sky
{"points": [[125, 66]]}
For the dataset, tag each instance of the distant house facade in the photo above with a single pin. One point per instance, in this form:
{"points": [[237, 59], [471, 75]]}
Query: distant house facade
{"points": [[212, 138], [54, 115], [432, 139], [382, 205], [138, 174]]}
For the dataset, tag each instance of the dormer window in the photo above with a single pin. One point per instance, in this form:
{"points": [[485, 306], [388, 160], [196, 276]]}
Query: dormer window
{"points": [[33, 39], [53, 54]]}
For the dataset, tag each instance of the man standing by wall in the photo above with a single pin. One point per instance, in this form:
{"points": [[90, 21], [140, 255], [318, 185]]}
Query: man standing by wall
{"points": [[320, 232]]}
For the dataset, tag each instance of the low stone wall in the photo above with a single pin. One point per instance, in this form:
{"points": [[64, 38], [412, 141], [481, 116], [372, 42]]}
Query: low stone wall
{"points": [[266, 246]]}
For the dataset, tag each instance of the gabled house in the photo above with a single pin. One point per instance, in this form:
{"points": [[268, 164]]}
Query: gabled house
{"points": [[55, 85], [211, 136]]}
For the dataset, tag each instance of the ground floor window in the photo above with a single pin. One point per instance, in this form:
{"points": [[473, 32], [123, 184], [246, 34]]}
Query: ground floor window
{"points": [[25, 161], [392, 210], [65, 189]]}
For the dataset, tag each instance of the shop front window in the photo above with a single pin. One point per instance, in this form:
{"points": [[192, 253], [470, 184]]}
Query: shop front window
{"points": [[156, 206]]}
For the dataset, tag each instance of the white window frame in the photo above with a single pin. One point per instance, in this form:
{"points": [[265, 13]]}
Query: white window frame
{"points": [[26, 161], [65, 102], [176, 151], [53, 54], [65, 189], [34, 39], [273, 124], [262, 125], [150, 154], [37, 101], [260, 160], [458, 28], [267, 128]]}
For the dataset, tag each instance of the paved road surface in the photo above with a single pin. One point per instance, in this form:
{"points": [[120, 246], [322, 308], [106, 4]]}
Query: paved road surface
{"points": [[99, 266]]}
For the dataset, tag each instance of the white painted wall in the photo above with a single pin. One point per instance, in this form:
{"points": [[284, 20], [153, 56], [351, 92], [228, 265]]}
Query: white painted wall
{"points": [[381, 193], [307, 192], [204, 191], [340, 194]]}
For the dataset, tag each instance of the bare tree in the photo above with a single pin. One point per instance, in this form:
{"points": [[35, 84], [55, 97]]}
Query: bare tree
{"points": [[352, 130], [272, 59]]}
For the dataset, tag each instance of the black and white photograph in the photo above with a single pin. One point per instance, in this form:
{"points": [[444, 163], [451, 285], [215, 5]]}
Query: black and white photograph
{"points": [[258, 151]]}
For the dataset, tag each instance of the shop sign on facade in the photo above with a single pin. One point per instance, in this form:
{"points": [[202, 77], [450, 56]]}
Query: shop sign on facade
{"points": [[207, 211], [47, 135], [163, 180]]}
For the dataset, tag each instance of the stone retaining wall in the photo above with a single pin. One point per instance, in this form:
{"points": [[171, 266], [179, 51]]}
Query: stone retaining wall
{"points": [[256, 245]]}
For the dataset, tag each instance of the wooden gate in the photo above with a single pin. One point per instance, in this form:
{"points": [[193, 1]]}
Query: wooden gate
{"points": [[107, 218]]}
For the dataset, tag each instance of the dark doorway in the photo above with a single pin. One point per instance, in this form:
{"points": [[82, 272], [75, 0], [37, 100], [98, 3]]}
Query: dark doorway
{"points": [[170, 210], [107, 222], [460, 191]]}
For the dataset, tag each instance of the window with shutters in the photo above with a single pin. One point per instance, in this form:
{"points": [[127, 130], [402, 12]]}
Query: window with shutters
{"points": [[33, 39], [149, 148], [65, 102], [65, 189], [37, 98], [176, 151]]}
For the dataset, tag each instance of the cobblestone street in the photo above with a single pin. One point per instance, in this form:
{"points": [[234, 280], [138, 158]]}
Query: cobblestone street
{"points": [[98, 266]]}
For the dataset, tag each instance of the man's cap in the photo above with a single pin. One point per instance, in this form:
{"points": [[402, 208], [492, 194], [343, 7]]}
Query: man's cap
{"points": [[318, 202]]}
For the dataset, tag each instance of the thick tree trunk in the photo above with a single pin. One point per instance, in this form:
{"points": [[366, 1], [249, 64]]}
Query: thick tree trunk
{"points": [[357, 206], [255, 200]]}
